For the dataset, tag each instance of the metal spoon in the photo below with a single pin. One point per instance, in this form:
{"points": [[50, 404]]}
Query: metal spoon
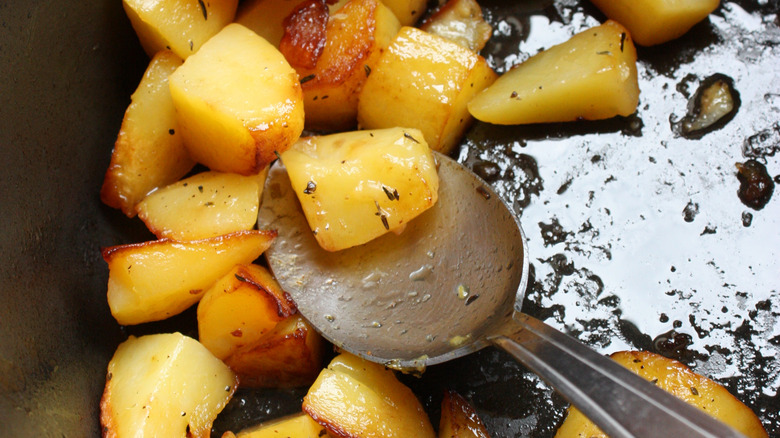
{"points": [[450, 284]]}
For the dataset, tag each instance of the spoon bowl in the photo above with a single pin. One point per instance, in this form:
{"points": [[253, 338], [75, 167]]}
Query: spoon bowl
{"points": [[451, 283]]}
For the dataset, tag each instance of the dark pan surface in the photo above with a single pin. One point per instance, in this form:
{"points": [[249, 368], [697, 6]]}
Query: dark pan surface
{"points": [[637, 237]]}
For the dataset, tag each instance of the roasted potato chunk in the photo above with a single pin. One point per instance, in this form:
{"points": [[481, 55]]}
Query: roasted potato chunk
{"points": [[293, 426], [238, 102], [356, 398], [683, 383], [356, 186], [149, 152], [460, 21], [208, 204], [154, 280], [266, 17], [459, 419], [591, 76], [240, 308], [407, 11], [654, 22], [397, 94], [164, 385], [179, 25]]}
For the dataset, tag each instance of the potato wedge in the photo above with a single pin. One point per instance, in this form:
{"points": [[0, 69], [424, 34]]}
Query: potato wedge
{"points": [[293, 426], [461, 22], [355, 35], [396, 94], [288, 356], [459, 419], [356, 398], [154, 280], [208, 204], [356, 186], [683, 383], [654, 22], [238, 102], [591, 76], [149, 151], [164, 385], [240, 308], [179, 25]]}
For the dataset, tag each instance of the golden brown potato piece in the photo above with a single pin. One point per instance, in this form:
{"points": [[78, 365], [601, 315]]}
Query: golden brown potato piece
{"points": [[398, 94], [265, 17], [293, 426], [164, 385], [288, 356], [149, 151], [679, 380], [238, 102], [356, 186], [460, 21], [356, 398], [654, 22], [154, 280], [208, 204], [591, 76], [240, 308], [179, 25], [459, 419], [355, 35]]}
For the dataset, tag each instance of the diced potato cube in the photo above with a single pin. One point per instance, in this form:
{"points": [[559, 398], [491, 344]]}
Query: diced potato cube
{"points": [[354, 397], [356, 186], [179, 25], [164, 385], [293, 426], [591, 76], [265, 17], [424, 81], [355, 35], [238, 102], [460, 21], [679, 380], [407, 11], [208, 204], [149, 151], [240, 308], [154, 280], [459, 419], [654, 22], [288, 356]]}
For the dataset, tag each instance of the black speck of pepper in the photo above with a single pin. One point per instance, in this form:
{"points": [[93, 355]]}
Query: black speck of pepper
{"points": [[471, 299], [367, 68], [409, 136], [654, 381], [183, 414], [307, 78], [200, 189], [604, 52], [384, 222], [171, 131], [191, 45], [513, 95], [622, 41], [311, 187], [484, 192], [227, 388], [694, 391], [209, 204], [203, 9], [277, 155], [109, 377], [240, 278], [391, 194], [324, 97], [747, 218]]}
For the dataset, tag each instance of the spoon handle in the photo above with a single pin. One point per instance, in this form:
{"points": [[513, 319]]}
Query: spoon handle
{"points": [[621, 403]]}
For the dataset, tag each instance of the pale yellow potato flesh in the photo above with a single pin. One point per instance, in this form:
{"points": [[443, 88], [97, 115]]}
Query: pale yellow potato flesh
{"points": [[178, 25], [408, 12], [149, 151], [208, 204], [155, 280], [356, 186], [240, 308], [461, 22], [164, 385], [397, 94], [591, 76], [238, 102], [296, 425], [265, 17], [288, 356], [679, 380], [654, 22], [459, 419], [356, 398]]}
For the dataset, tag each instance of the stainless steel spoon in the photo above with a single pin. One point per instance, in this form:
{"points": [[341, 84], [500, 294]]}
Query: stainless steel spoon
{"points": [[450, 284]]}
